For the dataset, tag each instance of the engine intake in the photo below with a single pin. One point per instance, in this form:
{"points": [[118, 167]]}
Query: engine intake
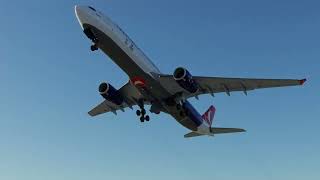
{"points": [[110, 93], [184, 78]]}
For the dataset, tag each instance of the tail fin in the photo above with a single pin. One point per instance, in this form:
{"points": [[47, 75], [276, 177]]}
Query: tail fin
{"points": [[209, 115]]}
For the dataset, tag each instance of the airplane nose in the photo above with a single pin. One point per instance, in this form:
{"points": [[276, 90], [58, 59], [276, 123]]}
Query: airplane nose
{"points": [[76, 7], [80, 12]]}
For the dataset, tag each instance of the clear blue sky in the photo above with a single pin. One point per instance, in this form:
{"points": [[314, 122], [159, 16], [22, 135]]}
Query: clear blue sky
{"points": [[49, 81]]}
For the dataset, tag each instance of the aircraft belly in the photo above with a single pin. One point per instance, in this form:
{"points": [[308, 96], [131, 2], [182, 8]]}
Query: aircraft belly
{"points": [[187, 122], [184, 121]]}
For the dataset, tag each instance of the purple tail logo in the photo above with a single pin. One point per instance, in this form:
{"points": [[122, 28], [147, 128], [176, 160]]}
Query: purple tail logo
{"points": [[209, 115]]}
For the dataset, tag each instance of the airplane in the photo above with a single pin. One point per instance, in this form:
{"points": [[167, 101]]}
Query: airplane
{"points": [[167, 93]]}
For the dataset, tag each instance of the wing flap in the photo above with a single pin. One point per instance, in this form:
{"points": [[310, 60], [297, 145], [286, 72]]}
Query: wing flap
{"points": [[103, 107]]}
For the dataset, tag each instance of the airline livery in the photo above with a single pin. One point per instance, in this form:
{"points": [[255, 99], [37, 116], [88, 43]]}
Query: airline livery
{"points": [[148, 86]]}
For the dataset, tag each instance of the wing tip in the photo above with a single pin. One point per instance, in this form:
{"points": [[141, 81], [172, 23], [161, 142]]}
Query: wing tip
{"points": [[302, 81]]}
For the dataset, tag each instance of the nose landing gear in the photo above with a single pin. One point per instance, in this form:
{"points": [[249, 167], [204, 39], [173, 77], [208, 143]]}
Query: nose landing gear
{"points": [[93, 38], [94, 47]]}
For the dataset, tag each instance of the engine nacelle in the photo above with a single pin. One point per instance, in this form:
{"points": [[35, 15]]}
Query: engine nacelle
{"points": [[184, 79], [110, 93]]}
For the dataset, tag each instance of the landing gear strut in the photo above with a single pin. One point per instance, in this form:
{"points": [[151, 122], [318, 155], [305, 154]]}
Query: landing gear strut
{"points": [[93, 38], [142, 112]]}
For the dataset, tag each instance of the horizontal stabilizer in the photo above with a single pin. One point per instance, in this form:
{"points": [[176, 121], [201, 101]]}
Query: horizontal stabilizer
{"points": [[216, 130], [192, 134]]}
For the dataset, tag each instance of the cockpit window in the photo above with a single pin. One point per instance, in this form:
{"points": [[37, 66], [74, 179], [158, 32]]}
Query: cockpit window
{"points": [[93, 9]]}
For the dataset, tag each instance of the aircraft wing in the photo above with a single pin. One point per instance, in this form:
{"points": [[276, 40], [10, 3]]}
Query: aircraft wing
{"points": [[211, 85], [130, 95]]}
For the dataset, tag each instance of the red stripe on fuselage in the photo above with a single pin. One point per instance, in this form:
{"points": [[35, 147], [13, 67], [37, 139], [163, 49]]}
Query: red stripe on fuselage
{"points": [[138, 81]]}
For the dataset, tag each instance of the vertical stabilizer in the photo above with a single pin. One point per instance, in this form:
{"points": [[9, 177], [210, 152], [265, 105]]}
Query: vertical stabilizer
{"points": [[209, 115]]}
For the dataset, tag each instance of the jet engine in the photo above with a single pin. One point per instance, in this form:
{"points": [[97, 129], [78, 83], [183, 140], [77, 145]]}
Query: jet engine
{"points": [[184, 79], [110, 93]]}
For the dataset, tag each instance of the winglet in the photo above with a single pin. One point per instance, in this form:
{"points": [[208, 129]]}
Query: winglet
{"points": [[302, 81]]}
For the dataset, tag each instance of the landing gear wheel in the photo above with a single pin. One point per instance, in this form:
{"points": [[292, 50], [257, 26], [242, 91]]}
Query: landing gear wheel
{"points": [[142, 119], [94, 47], [142, 112], [138, 112]]}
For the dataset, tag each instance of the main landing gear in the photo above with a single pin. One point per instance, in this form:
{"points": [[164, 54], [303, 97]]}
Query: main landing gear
{"points": [[142, 113]]}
